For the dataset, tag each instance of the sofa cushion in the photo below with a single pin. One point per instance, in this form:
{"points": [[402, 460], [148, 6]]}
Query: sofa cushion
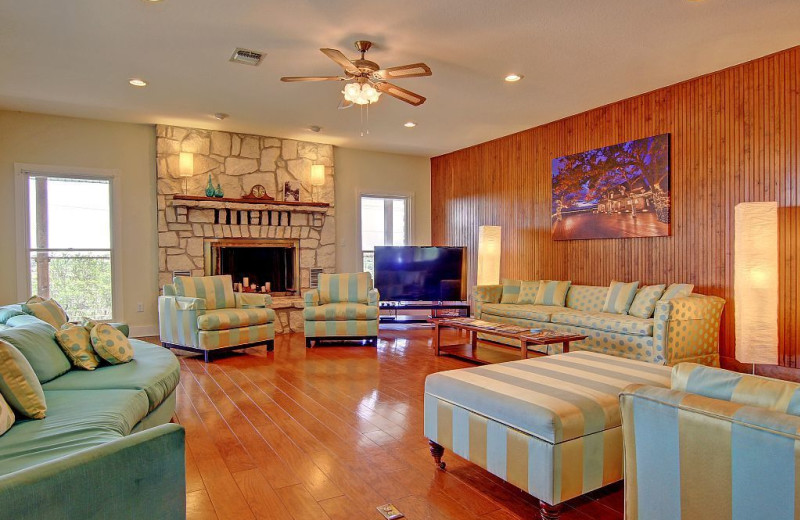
{"points": [[346, 287], [644, 303], [9, 311], [528, 292], [620, 296], [554, 398], [522, 311], [46, 310], [341, 312], [589, 298], [37, 342], [76, 343], [510, 290], [76, 420], [110, 344], [552, 292], [607, 322], [19, 384], [224, 319], [217, 291], [154, 369]]}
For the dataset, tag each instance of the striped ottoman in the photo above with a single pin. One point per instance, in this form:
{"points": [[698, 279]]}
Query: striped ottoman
{"points": [[550, 425]]}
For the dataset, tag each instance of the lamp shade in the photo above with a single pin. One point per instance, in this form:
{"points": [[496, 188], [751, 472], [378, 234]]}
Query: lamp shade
{"points": [[755, 284], [318, 175], [186, 164], [489, 255]]}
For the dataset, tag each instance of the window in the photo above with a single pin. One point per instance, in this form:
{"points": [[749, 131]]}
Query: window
{"points": [[384, 222], [69, 252]]}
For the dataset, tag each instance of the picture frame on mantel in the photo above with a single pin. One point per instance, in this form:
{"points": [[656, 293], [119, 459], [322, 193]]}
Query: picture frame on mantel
{"points": [[618, 191], [291, 191]]}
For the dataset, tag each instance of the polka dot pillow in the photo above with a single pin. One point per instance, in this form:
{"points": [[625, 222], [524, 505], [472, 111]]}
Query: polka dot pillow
{"points": [[644, 304], [76, 343], [111, 344]]}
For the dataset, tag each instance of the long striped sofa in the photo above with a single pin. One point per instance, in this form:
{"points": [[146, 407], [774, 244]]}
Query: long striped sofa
{"points": [[715, 445], [203, 314], [678, 329], [550, 425]]}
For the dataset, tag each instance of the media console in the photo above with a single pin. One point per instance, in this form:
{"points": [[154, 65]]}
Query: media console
{"points": [[438, 310]]}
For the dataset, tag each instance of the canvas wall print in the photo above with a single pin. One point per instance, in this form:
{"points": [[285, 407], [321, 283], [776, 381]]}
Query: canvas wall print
{"points": [[619, 191]]}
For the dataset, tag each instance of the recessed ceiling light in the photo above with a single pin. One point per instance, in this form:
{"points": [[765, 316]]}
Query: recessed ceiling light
{"points": [[221, 116], [137, 82], [409, 124], [151, 1], [511, 78]]}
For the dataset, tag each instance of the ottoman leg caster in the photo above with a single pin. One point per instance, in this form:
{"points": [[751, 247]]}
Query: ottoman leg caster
{"points": [[549, 512], [437, 451]]}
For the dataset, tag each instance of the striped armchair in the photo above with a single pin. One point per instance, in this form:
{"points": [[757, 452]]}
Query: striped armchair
{"points": [[342, 307], [204, 314], [717, 445]]}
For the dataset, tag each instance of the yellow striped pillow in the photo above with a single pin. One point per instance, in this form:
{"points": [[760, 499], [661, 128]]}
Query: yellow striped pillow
{"points": [[552, 292], [6, 416], [620, 296], [46, 310], [19, 384], [511, 290]]}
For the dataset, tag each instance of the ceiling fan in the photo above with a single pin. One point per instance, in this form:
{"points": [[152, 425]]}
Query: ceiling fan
{"points": [[369, 80]]}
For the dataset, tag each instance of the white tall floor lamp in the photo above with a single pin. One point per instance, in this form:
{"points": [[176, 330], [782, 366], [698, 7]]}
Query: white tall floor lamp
{"points": [[489, 255]]}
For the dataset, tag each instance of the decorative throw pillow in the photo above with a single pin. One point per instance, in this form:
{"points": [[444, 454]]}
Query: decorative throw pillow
{"points": [[619, 297], [110, 344], [552, 292], [36, 340], [6, 416], [644, 303], [46, 310], [677, 290], [528, 292], [18, 383], [9, 311], [76, 343], [510, 291]]}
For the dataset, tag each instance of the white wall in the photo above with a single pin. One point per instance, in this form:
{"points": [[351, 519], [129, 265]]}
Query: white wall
{"points": [[375, 173], [85, 143]]}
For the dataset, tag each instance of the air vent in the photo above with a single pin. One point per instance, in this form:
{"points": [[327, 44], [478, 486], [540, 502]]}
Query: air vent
{"points": [[247, 57], [314, 278]]}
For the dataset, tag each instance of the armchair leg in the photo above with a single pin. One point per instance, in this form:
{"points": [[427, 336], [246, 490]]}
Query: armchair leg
{"points": [[308, 342], [205, 356], [549, 512], [270, 345]]}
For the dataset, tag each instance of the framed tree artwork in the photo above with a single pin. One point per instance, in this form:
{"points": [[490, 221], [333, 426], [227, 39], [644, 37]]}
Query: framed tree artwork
{"points": [[618, 191]]}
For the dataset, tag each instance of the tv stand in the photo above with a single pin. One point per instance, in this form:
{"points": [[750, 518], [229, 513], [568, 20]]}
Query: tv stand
{"points": [[440, 309]]}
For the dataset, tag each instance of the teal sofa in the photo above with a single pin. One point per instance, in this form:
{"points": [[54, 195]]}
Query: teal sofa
{"points": [[106, 448]]}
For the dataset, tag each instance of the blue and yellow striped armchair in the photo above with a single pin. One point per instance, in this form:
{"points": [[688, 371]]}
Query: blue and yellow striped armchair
{"points": [[204, 314], [342, 307], [716, 445]]}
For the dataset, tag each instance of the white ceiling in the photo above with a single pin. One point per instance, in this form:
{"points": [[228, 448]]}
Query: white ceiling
{"points": [[75, 57]]}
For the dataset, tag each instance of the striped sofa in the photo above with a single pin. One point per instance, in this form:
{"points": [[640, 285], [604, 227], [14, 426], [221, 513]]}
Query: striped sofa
{"points": [[204, 314], [342, 307], [716, 445], [682, 329], [549, 425]]}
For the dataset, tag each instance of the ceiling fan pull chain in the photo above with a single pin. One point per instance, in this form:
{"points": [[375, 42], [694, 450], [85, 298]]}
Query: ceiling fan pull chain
{"points": [[368, 104], [361, 111]]}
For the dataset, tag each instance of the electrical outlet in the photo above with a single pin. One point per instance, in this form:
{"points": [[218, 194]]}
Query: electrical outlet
{"points": [[140, 307]]}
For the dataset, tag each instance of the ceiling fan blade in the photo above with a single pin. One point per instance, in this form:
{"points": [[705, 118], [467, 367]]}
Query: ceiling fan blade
{"points": [[312, 78], [404, 71], [400, 93], [344, 104], [341, 59]]}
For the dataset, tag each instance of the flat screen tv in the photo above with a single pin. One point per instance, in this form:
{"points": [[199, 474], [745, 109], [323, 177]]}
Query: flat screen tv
{"points": [[421, 273]]}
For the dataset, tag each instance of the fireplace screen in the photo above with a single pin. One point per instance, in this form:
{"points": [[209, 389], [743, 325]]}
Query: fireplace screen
{"points": [[264, 263]]}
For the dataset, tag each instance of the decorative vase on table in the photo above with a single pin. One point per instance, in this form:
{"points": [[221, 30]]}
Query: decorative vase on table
{"points": [[218, 192], [210, 191]]}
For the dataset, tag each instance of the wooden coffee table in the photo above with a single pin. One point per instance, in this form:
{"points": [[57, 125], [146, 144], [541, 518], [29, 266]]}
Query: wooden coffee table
{"points": [[546, 337]]}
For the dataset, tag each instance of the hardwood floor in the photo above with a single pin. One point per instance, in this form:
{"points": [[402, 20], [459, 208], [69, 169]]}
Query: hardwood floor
{"points": [[331, 433]]}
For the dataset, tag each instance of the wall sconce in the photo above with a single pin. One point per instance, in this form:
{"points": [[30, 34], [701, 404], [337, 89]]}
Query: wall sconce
{"points": [[755, 282], [489, 255], [186, 168], [317, 178]]}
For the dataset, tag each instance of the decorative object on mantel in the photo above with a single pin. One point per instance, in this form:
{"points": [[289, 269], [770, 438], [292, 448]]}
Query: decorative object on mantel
{"points": [[218, 193], [291, 191], [258, 192], [317, 178], [619, 191], [210, 190], [186, 169]]}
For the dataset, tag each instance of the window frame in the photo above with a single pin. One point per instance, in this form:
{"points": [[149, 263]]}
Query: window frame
{"points": [[22, 174], [398, 195]]}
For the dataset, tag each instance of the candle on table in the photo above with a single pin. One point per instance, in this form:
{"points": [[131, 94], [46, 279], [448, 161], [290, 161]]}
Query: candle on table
{"points": [[246, 281]]}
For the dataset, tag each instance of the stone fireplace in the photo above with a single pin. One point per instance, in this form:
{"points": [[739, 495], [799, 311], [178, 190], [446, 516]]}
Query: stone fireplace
{"points": [[267, 240]]}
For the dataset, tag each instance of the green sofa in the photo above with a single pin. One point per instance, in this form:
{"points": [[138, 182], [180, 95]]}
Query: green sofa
{"points": [[106, 448], [684, 329]]}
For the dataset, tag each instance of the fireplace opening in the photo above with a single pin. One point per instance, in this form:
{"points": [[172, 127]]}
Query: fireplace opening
{"points": [[270, 263]]}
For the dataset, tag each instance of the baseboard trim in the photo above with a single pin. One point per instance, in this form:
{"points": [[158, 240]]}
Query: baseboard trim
{"points": [[140, 331]]}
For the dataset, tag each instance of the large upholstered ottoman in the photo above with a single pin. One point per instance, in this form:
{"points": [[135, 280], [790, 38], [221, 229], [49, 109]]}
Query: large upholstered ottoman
{"points": [[550, 425]]}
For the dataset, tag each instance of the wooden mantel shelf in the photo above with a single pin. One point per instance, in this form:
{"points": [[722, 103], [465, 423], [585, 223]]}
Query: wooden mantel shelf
{"points": [[192, 201]]}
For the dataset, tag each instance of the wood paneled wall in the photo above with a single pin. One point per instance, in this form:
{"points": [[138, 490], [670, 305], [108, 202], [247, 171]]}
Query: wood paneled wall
{"points": [[734, 137]]}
